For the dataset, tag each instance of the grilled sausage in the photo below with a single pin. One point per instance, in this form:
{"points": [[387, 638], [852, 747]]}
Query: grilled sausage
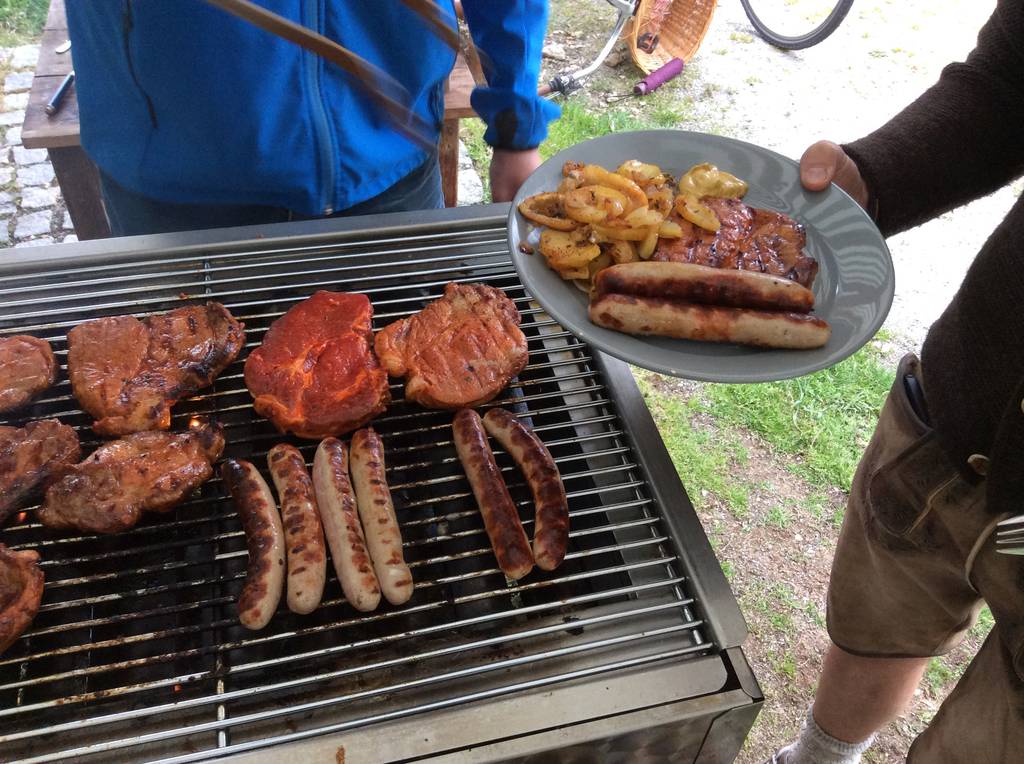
{"points": [[341, 525], [377, 511], [551, 526], [304, 535], [508, 539], [264, 537], [666, 318], [689, 282]]}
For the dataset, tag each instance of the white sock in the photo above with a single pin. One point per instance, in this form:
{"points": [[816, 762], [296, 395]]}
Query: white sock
{"points": [[815, 746]]}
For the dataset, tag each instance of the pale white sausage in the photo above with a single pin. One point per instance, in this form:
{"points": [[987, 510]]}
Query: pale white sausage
{"points": [[708, 323], [377, 511], [337, 504]]}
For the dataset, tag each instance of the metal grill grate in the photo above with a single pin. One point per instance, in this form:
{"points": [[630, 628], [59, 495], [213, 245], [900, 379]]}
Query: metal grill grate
{"points": [[137, 653]]}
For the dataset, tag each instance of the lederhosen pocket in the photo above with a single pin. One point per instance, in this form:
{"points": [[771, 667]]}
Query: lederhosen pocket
{"points": [[913, 468]]}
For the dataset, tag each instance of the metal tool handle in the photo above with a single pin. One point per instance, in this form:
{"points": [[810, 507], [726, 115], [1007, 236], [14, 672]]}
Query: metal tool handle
{"points": [[53, 105]]}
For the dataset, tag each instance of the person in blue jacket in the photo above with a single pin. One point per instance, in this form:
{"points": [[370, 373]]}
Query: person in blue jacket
{"points": [[197, 119]]}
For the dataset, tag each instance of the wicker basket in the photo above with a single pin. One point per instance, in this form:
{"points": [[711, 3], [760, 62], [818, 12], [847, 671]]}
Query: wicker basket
{"points": [[679, 35]]}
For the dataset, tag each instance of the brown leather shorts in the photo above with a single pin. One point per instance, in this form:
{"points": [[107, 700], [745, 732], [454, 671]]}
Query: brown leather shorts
{"points": [[915, 561]]}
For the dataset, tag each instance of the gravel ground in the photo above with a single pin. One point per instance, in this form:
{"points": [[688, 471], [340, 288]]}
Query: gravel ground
{"points": [[881, 58]]}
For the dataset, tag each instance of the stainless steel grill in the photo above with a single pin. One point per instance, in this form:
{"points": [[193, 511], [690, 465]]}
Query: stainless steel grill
{"points": [[136, 653]]}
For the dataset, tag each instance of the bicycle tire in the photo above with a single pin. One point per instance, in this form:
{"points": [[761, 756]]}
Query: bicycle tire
{"points": [[798, 42]]}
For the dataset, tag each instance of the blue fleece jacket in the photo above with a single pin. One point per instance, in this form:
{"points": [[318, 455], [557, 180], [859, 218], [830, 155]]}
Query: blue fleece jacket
{"points": [[183, 103]]}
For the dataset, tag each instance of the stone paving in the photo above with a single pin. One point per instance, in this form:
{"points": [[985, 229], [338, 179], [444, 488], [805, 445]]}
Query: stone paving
{"points": [[32, 212]]}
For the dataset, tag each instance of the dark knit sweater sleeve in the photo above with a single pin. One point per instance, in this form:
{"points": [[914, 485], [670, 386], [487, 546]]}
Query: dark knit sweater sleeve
{"points": [[962, 139]]}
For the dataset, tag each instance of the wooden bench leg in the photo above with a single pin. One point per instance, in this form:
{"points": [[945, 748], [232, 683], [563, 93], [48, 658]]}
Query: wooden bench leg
{"points": [[448, 157], [80, 185]]}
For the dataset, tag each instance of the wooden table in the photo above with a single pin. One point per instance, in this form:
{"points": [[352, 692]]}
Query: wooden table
{"points": [[59, 135], [77, 175]]}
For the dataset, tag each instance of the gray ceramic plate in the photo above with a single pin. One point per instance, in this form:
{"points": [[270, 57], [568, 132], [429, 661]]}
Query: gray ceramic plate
{"points": [[853, 290]]}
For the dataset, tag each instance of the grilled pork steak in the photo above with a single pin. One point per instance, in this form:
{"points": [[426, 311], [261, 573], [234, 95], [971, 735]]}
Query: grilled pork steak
{"points": [[750, 239], [21, 591], [27, 368], [315, 374], [142, 472], [128, 373], [459, 351], [29, 457]]}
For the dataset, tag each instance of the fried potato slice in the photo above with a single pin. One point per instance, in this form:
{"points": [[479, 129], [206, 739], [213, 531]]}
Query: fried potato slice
{"points": [[621, 251], [698, 214], [670, 229], [595, 175], [640, 172], [568, 252], [644, 217], [594, 204], [706, 180], [619, 229], [660, 198], [547, 209], [646, 247]]}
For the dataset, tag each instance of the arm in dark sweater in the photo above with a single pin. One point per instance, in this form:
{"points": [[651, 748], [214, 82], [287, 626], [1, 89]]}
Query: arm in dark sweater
{"points": [[962, 139]]}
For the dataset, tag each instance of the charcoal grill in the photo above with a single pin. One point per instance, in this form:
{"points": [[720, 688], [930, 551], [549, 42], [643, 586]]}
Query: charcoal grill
{"points": [[629, 651]]}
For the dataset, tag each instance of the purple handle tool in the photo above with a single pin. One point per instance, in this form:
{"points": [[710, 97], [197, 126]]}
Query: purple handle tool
{"points": [[659, 77]]}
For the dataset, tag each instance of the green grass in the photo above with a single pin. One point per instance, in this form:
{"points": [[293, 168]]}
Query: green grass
{"points": [[21, 21], [779, 516], [938, 674], [825, 418], [742, 37], [728, 569], [776, 602], [984, 625], [787, 666], [708, 460], [814, 613], [942, 671], [577, 124]]}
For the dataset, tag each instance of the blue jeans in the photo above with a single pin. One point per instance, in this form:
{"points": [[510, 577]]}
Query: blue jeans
{"points": [[132, 214]]}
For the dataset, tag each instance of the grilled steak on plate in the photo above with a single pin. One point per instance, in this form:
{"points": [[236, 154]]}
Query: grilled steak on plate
{"points": [[27, 368], [142, 472], [750, 239], [128, 373], [29, 457], [459, 351], [315, 374]]}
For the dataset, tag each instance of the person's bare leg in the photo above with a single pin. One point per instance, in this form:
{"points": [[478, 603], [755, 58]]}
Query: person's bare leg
{"points": [[857, 696]]}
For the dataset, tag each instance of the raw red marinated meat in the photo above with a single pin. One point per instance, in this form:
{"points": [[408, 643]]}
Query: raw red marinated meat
{"points": [[315, 374]]}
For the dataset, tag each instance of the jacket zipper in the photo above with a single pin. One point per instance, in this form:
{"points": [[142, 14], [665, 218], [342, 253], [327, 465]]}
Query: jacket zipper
{"points": [[325, 144], [127, 24]]}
